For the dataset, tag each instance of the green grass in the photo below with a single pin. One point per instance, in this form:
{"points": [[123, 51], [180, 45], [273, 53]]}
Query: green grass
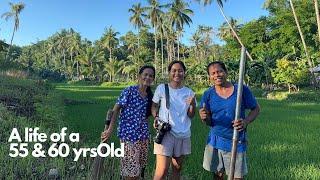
{"points": [[283, 141], [28, 103]]}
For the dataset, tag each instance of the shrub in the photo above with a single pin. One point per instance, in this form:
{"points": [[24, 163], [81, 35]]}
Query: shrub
{"points": [[291, 73], [84, 83], [306, 95], [118, 84], [52, 75]]}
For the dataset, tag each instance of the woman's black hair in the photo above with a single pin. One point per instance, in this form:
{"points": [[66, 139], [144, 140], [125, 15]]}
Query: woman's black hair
{"points": [[220, 63], [177, 62], [149, 92]]}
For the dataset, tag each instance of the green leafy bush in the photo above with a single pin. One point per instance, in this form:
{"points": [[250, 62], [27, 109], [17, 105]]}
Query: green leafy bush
{"points": [[291, 73], [118, 84], [84, 83]]}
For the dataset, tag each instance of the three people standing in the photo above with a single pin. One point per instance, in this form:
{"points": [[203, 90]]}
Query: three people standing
{"points": [[173, 107]]}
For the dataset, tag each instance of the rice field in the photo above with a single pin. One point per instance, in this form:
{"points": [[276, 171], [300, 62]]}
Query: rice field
{"points": [[283, 141]]}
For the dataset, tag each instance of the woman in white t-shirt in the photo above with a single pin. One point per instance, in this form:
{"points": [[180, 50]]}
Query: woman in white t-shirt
{"points": [[175, 143]]}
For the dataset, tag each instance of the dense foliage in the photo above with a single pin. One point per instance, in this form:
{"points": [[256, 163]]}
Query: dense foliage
{"points": [[114, 58]]}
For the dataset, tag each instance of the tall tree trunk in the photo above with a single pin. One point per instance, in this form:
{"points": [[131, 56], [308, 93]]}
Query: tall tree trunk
{"points": [[91, 71], [110, 53], [178, 53], [71, 59], [311, 65], [161, 54], [168, 49], [78, 72], [318, 16], [195, 52], [12, 36], [9, 48], [233, 31], [64, 59], [184, 56], [155, 47], [139, 44], [46, 61], [173, 50]]}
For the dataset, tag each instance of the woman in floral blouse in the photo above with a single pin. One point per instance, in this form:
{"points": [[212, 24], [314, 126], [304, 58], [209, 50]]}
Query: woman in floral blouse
{"points": [[135, 105]]}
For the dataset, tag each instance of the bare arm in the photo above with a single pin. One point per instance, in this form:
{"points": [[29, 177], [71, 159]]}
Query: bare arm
{"points": [[252, 114], [108, 132], [154, 109], [242, 124], [191, 101], [155, 112]]}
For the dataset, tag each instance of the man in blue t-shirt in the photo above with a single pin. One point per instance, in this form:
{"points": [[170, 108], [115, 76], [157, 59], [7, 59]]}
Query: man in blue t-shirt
{"points": [[217, 109]]}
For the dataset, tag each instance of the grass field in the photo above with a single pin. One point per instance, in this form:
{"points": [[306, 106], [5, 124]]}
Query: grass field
{"points": [[283, 141]]}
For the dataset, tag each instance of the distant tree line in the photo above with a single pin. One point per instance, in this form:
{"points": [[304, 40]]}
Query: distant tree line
{"points": [[283, 45]]}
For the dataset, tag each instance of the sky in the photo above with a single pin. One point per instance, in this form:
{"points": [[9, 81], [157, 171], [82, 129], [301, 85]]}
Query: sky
{"points": [[42, 18]]}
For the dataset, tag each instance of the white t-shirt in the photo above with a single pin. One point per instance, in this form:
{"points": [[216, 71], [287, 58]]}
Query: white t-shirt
{"points": [[178, 117]]}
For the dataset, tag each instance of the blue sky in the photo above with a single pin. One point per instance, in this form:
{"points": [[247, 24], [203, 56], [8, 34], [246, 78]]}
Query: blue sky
{"points": [[42, 18]]}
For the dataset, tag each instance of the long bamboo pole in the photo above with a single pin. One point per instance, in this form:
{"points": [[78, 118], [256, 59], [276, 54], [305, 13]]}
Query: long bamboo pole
{"points": [[237, 114], [233, 31]]}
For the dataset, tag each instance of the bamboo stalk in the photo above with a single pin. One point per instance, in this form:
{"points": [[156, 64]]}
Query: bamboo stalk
{"points": [[237, 115], [97, 165]]}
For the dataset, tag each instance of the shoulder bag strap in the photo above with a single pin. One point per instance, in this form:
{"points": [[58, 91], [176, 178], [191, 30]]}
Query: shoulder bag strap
{"points": [[166, 87]]}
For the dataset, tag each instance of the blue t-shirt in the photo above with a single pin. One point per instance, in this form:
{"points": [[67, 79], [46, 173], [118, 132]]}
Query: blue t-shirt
{"points": [[133, 123], [223, 113]]}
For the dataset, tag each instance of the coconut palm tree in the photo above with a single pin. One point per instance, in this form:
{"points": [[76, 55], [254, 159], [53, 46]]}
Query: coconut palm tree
{"points": [[130, 41], [184, 50], [138, 13], [179, 15], [310, 63], [52, 51], [131, 67], [167, 32], [14, 13], [90, 60], [154, 14], [234, 33], [300, 32], [196, 41], [269, 3], [170, 36], [74, 47], [162, 32], [62, 45], [113, 67], [225, 31], [206, 32], [110, 40]]}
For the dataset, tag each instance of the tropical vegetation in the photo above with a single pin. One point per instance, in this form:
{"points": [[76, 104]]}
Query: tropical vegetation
{"points": [[290, 32]]}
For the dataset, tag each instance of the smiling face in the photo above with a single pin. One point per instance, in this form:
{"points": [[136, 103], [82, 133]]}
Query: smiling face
{"points": [[146, 77], [177, 73], [217, 75]]}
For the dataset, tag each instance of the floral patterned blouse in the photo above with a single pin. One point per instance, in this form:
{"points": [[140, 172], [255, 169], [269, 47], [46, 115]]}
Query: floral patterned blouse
{"points": [[133, 123]]}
